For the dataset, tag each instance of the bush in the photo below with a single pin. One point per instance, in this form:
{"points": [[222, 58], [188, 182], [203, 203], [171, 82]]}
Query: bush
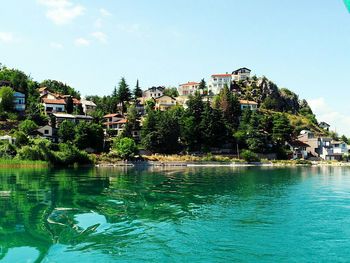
{"points": [[249, 156], [7, 150], [28, 127], [69, 154], [125, 147], [21, 138]]}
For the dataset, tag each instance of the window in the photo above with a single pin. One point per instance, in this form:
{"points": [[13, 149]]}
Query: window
{"points": [[46, 131]]}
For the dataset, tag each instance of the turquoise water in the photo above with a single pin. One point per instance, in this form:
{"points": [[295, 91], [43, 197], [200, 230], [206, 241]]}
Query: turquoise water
{"points": [[179, 215]]}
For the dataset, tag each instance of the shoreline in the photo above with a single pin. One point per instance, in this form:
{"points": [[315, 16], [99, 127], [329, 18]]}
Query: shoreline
{"points": [[219, 164]]}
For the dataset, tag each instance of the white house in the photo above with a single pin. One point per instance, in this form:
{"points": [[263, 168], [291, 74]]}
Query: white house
{"points": [[153, 92], [218, 81], [241, 74], [76, 119], [248, 104], [46, 131], [324, 125], [54, 105], [340, 147], [188, 88], [88, 106]]}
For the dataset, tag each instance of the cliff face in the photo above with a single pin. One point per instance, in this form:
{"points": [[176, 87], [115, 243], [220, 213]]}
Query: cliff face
{"points": [[269, 96]]}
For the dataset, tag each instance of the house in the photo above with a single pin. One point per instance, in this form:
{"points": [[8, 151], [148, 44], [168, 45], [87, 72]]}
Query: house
{"points": [[115, 122], [88, 106], [340, 147], [218, 81], [298, 149], [19, 99], [154, 92], [248, 104], [76, 119], [188, 88], [53, 105], [182, 100], [47, 131], [323, 147], [164, 103], [324, 125], [241, 74], [8, 138]]}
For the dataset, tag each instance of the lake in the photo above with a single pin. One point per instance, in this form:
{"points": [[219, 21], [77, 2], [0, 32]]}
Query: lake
{"points": [[175, 215]]}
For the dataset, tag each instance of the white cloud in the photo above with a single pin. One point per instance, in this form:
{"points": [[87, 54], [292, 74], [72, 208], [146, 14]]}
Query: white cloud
{"points": [[104, 12], [7, 37], [62, 11], [100, 36], [80, 42], [56, 45], [339, 122]]}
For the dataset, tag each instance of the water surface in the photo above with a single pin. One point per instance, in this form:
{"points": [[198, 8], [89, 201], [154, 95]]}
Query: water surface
{"points": [[175, 215]]}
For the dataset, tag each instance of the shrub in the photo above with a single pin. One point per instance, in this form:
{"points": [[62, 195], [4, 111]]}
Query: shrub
{"points": [[69, 154], [21, 138], [7, 150], [28, 127], [125, 147], [249, 156]]}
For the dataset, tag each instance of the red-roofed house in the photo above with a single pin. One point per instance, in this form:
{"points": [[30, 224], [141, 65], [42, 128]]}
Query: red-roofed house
{"points": [[188, 88], [248, 104], [53, 105]]}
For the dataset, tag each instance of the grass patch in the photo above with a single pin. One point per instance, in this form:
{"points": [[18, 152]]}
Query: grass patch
{"points": [[6, 163]]}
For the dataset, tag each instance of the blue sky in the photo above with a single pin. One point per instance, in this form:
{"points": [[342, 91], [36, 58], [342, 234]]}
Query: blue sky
{"points": [[301, 45]]}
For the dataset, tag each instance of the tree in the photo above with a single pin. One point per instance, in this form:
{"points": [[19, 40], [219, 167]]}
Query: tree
{"points": [[212, 127], [28, 127], [60, 87], [6, 99], [202, 84], [17, 79], [69, 105], [172, 92], [66, 131], [137, 91], [125, 147], [282, 129], [89, 135], [124, 93], [230, 107]]}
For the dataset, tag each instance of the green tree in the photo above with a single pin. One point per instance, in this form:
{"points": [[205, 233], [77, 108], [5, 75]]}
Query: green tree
{"points": [[137, 90], [124, 94], [69, 105], [212, 127], [125, 147], [89, 135], [202, 85], [17, 78], [172, 92], [66, 131], [60, 87], [28, 127], [282, 130], [6, 99], [230, 107]]}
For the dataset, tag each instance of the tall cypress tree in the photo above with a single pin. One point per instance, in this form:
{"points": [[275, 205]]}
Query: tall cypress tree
{"points": [[124, 94], [137, 91]]}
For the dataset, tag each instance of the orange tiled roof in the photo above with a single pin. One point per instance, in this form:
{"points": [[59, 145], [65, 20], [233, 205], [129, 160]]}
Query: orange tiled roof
{"points": [[250, 102], [190, 83], [50, 101], [221, 75]]}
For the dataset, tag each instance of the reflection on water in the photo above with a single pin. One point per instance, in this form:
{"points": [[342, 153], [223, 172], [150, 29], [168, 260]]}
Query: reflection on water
{"points": [[197, 214]]}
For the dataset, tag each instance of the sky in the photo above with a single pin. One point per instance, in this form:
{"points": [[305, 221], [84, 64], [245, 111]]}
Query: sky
{"points": [[300, 45]]}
